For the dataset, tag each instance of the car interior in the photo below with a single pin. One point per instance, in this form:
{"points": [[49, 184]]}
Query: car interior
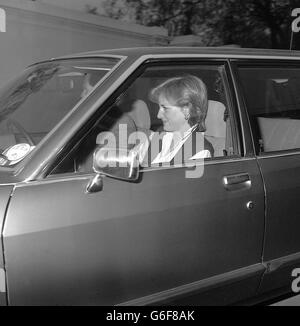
{"points": [[273, 99], [135, 104]]}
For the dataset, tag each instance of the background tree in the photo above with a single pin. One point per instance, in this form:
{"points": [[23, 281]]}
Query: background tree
{"points": [[91, 9], [263, 23], [249, 23]]}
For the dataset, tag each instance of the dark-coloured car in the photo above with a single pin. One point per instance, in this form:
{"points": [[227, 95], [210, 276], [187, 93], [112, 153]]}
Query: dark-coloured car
{"points": [[217, 231]]}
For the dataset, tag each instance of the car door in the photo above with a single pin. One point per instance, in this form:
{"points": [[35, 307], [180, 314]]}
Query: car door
{"points": [[271, 90], [167, 238]]}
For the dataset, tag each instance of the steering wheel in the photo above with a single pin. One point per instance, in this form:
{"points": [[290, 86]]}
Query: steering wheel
{"points": [[13, 123]]}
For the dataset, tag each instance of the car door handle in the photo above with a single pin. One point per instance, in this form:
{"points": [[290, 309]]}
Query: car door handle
{"points": [[237, 181]]}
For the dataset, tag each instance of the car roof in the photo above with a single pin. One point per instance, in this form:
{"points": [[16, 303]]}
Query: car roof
{"points": [[171, 50]]}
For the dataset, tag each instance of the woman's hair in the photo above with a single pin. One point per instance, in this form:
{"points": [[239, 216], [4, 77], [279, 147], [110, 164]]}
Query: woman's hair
{"points": [[186, 91]]}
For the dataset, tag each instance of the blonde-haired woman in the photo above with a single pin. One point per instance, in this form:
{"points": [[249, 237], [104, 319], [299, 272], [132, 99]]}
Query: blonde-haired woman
{"points": [[183, 108]]}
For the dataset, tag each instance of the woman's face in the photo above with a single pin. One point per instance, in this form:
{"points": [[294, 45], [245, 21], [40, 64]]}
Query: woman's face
{"points": [[172, 116]]}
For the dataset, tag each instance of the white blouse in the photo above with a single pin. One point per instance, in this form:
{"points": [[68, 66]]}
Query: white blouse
{"points": [[172, 143]]}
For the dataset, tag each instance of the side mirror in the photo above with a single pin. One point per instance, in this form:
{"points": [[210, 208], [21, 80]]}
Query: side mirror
{"points": [[119, 163]]}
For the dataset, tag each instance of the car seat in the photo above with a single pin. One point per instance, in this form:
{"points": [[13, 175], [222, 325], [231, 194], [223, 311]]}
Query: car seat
{"points": [[140, 116], [216, 127], [279, 133]]}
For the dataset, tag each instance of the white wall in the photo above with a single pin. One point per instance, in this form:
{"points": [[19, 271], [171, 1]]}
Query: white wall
{"points": [[37, 31]]}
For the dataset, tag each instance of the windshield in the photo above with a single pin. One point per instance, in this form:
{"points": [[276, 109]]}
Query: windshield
{"points": [[32, 104]]}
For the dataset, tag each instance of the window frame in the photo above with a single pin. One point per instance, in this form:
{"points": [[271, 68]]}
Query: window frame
{"points": [[230, 93], [263, 63]]}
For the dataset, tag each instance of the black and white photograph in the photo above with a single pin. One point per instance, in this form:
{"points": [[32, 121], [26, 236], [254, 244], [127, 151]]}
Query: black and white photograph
{"points": [[149, 155]]}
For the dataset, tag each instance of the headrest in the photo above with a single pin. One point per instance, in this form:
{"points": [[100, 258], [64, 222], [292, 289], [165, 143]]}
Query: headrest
{"points": [[215, 124], [140, 114]]}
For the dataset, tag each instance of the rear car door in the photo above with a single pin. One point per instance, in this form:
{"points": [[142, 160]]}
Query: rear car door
{"points": [[271, 90], [167, 238]]}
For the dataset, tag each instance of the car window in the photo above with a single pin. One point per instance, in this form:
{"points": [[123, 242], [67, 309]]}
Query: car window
{"points": [[272, 96], [34, 103], [176, 127]]}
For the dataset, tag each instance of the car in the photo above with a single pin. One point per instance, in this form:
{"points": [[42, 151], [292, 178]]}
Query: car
{"points": [[84, 224]]}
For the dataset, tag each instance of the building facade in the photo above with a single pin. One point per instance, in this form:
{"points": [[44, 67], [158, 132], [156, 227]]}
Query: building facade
{"points": [[35, 31]]}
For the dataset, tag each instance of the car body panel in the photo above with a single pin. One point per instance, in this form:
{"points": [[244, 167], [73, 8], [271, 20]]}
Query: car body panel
{"points": [[224, 52], [130, 240], [280, 172], [282, 181], [5, 193]]}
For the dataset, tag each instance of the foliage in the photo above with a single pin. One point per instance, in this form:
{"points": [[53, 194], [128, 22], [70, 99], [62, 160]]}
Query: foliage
{"points": [[249, 23], [91, 9]]}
